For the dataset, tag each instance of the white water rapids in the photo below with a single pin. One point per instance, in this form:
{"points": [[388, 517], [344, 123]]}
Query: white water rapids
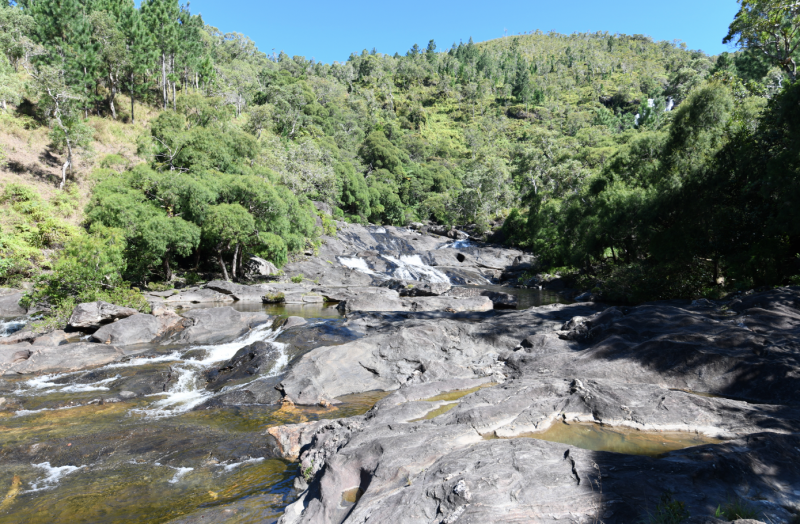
{"points": [[184, 392], [406, 267]]}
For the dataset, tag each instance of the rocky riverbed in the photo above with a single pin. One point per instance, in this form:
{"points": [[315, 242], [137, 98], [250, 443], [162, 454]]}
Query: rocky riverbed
{"points": [[399, 381]]}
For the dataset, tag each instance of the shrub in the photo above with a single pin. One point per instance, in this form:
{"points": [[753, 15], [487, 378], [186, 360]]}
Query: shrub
{"points": [[668, 511], [737, 509], [297, 278], [273, 298], [113, 160]]}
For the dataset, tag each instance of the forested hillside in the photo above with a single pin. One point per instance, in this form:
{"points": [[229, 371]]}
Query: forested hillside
{"points": [[649, 170]]}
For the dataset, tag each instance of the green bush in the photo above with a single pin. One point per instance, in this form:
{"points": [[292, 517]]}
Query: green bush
{"points": [[737, 509], [668, 511], [297, 278], [273, 298], [113, 160], [89, 268]]}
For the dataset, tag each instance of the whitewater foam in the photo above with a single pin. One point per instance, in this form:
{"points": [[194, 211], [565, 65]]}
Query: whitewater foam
{"points": [[52, 476], [179, 472], [411, 267], [359, 264], [9, 328], [231, 467], [187, 391]]}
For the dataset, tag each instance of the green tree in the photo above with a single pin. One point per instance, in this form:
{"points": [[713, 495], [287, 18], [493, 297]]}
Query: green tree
{"points": [[228, 226], [770, 26]]}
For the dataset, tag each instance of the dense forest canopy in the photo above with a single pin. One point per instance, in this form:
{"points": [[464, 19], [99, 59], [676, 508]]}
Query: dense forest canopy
{"points": [[653, 170]]}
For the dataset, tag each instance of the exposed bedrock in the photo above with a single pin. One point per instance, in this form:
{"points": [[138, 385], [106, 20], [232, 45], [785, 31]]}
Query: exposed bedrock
{"points": [[369, 255], [723, 381], [126, 337]]}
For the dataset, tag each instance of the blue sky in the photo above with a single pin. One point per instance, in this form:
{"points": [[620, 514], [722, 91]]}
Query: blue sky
{"points": [[331, 30]]}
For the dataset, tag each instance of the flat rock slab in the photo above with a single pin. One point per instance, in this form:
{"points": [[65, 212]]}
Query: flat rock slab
{"points": [[420, 457], [217, 325], [65, 358], [195, 296], [415, 351], [239, 292], [385, 302], [445, 468]]}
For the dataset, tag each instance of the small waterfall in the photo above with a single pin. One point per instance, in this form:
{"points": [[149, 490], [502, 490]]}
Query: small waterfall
{"points": [[411, 267], [359, 264], [187, 392], [12, 326], [406, 267]]}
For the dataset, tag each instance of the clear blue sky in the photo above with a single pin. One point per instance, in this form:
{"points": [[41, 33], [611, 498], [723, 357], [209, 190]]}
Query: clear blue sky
{"points": [[331, 30]]}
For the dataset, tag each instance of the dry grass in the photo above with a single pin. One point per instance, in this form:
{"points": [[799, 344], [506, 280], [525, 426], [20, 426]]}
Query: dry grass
{"points": [[31, 161]]}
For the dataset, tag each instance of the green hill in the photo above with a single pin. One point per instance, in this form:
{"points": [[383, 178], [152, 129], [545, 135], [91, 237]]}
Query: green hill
{"points": [[191, 148]]}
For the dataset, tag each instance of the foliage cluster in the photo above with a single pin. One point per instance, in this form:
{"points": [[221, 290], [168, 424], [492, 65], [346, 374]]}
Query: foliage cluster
{"points": [[657, 170]]}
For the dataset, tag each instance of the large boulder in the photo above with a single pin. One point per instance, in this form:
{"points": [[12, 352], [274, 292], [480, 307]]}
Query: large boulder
{"points": [[259, 267], [91, 316], [258, 358], [217, 325], [140, 329], [426, 289], [372, 302], [9, 303]]}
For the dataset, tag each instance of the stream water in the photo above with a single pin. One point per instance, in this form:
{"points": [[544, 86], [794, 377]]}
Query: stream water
{"points": [[77, 447], [73, 451]]}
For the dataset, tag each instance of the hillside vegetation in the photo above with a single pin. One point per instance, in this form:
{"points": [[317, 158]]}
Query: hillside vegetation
{"points": [[165, 147]]}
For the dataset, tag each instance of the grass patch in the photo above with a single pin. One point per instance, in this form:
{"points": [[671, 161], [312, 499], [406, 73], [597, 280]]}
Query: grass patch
{"points": [[737, 509], [668, 511]]}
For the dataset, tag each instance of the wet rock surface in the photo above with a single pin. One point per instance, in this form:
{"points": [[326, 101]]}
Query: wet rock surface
{"points": [[28, 359], [419, 457], [259, 358], [371, 255], [216, 325]]}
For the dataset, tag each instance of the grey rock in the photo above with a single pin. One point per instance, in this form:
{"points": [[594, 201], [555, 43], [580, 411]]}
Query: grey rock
{"points": [[127, 395], [416, 351], [140, 329], [259, 267], [449, 304], [197, 296], [305, 297], [217, 325], [239, 292], [60, 359], [384, 303], [372, 302], [290, 322], [341, 294], [9, 303], [258, 358], [500, 299], [427, 289], [635, 369], [54, 338], [91, 315]]}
